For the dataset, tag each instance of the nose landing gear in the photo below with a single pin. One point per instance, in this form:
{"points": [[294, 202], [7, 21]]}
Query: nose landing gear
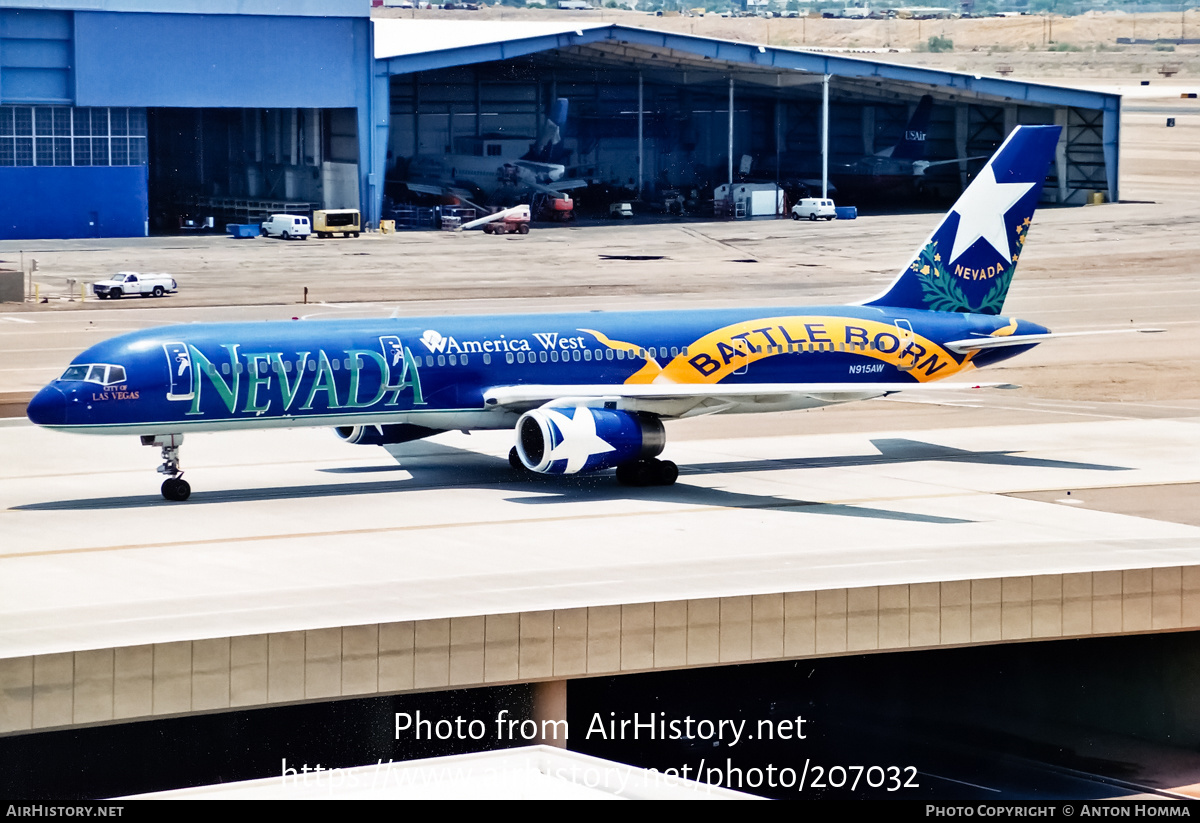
{"points": [[174, 487]]}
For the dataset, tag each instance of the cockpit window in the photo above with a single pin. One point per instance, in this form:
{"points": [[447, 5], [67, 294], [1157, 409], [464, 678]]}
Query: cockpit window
{"points": [[100, 373]]}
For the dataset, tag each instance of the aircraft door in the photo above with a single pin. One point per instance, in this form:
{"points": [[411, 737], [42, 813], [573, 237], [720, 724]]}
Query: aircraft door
{"points": [[904, 331], [179, 361], [393, 351], [744, 350]]}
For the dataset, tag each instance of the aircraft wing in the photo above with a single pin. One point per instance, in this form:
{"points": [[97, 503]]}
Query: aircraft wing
{"points": [[426, 189], [462, 195], [558, 186], [920, 166], [693, 400]]}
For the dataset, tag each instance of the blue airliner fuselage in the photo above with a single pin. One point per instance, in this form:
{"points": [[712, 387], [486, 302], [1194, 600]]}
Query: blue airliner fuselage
{"points": [[436, 371]]}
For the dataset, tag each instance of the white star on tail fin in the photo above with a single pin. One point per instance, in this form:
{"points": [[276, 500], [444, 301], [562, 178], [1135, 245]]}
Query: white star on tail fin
{"points": [[981, 211]]}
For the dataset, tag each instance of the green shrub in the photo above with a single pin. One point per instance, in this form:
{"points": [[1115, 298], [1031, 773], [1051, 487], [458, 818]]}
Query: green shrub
{"points": [[939, 44]]}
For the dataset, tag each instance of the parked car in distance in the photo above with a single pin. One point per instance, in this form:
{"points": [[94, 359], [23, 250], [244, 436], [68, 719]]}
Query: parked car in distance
{"points": [[623, 209], [287, 226], [328, 222], [814, 208], [125, 283]]}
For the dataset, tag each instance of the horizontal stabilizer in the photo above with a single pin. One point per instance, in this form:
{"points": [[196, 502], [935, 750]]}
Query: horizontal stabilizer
{"points": [[980, 343]]}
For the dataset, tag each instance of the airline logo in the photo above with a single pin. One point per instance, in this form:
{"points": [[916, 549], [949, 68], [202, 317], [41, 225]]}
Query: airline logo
{"points": [[434, 341], [913, 136], [542, 341]]}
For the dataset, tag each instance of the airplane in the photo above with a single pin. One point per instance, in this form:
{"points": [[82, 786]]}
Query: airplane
{"points": [[583, 392], [899, 159], [900, 166], [495, 177]]}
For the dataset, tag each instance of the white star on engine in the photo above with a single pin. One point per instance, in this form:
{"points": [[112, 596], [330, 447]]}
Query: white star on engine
{"points": [[981, 213], [579, 439]]}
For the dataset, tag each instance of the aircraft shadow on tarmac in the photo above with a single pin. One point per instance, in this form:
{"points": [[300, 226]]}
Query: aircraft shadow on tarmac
{"points": [[436, 466]]}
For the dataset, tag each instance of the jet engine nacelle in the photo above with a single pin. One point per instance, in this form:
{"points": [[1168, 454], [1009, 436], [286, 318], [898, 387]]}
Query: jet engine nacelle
{"points": [[383, 435], [582, 439]]}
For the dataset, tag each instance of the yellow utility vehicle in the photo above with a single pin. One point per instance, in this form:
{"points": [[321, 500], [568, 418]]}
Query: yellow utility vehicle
{"points": [[328, 222]]}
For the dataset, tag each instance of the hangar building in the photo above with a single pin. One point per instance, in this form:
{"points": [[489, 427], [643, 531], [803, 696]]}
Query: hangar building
{"points": [[128, 117], [653, 109], [119, 118]]}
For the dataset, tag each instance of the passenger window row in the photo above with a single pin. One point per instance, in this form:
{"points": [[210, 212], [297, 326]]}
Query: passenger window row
{"points": [[520, 357]]}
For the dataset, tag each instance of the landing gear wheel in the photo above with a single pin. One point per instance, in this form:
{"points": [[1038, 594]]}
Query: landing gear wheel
{"points": [[176, 488], [668, 473], [629, 474], [652, 472]]}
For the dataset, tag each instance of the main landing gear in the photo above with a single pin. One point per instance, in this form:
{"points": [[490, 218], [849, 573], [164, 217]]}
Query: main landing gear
{"points": [[174, 487], [652, 472]]}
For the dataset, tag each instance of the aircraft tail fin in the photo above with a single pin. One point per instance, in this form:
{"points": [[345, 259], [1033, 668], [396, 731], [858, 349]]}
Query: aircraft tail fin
{"points": [[967, 263], [912, 144], [546, 149]]}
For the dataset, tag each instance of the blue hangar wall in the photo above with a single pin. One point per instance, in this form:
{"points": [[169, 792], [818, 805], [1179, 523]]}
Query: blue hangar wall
{"points": [[75, 86]]}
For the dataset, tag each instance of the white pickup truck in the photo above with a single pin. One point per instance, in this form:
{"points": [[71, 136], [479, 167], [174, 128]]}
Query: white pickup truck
{"points": [[125, 283]]}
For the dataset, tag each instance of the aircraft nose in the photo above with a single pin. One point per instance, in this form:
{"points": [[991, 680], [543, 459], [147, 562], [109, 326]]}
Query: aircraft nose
{"points": [[48, 407]]}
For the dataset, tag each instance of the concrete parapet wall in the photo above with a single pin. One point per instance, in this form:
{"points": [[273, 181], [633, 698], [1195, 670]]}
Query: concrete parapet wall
{"points": [[115, 685]]}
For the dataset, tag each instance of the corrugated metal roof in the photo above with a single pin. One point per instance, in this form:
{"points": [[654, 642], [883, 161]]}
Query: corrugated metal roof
{"points": [[281, 8], [406, 46], [399, 38]]}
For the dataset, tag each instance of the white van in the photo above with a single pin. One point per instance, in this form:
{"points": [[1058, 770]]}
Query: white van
{"points": [[287, 226], [814, 208]]}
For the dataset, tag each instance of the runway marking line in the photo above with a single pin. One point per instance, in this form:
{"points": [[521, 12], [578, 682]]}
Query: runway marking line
{"points": [[694, 509], [782, 504]]}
